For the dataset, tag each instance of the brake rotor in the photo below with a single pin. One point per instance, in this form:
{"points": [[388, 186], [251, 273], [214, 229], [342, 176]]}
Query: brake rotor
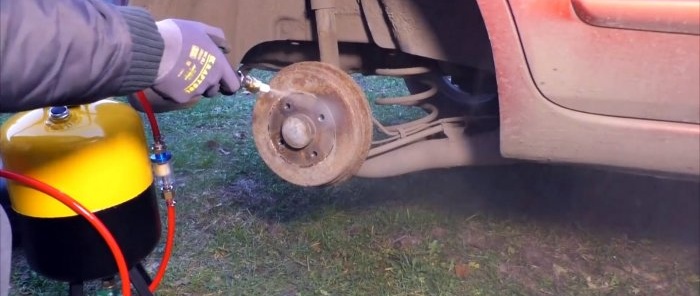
{"points": [[315, 128]]}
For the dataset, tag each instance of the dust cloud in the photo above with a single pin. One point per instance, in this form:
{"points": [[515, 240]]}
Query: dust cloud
{"points": [[597, 200]]}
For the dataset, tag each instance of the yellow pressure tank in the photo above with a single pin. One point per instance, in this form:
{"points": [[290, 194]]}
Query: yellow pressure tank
{"points": [[97, 154]]}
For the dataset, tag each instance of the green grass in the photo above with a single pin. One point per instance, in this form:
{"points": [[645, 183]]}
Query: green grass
{"points": [[244, 231]]}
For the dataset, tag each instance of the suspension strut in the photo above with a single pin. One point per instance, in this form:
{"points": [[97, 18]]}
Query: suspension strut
{"points": [[399, 135]]}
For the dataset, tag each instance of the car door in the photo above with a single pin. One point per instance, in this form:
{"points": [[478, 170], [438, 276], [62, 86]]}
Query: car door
{"points": [[625, 58]]}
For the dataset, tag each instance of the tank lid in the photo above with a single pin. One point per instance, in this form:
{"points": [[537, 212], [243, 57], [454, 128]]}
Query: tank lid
{"points": [[59, 113]]}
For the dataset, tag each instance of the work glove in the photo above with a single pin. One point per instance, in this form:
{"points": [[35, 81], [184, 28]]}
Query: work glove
{"points": [[193, 64]]}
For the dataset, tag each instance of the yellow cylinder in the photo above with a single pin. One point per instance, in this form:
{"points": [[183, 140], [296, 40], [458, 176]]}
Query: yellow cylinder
{"points": [[98, 155]]}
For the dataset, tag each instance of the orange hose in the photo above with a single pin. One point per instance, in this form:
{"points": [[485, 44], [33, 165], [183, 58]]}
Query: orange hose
{"points": [[168, 248], [85, 213]]}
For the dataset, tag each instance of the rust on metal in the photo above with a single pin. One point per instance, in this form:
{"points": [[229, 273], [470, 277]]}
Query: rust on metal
{"points": [[457, 149], [302, 128], [324, 10], [334, 114]]}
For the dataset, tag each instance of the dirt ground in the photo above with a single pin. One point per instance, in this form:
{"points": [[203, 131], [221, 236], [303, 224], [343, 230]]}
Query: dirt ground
{"points": [[602, 201]]}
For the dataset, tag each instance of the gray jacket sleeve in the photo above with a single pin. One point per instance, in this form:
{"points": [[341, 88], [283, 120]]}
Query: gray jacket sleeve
{"points": [[67, 52]]}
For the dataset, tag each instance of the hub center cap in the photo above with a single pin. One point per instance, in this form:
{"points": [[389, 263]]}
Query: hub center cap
{"points": [[297, 131]]}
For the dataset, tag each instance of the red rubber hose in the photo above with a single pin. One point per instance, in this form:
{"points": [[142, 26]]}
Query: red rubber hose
{"points": [[85, 213], [170, 204], [168, 248], [141, 96]]}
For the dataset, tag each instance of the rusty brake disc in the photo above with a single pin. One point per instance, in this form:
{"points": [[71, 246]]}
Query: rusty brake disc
{"points": [[316, 128]]}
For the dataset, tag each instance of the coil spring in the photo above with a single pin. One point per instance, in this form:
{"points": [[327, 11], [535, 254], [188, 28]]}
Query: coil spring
{"points": [[405, 133]]}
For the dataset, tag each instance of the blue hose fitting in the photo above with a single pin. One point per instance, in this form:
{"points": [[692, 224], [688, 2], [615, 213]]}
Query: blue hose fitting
{"points": [[162, 169]]}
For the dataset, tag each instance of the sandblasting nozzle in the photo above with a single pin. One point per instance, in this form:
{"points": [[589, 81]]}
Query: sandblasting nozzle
{"points": [[254, 85]]}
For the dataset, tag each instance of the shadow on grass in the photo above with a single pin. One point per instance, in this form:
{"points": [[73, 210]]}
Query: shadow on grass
{"points": [[596, 201]]}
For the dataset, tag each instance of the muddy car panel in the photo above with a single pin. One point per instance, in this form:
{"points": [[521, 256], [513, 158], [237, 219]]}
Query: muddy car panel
{"points": [[579, 81]]}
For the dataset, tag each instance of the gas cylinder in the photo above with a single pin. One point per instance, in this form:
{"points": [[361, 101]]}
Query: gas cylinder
{"points": [[97, 154]]}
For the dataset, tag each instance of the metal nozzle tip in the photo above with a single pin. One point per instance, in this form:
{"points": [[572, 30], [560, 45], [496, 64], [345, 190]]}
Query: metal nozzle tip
{"points": [[254, 85], [264, 88]]}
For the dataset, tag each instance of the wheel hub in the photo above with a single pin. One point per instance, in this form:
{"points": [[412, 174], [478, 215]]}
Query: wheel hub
{"points": [[304, 128]]}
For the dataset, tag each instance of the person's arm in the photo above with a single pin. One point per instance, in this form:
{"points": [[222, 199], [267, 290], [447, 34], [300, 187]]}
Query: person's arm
{"points": [[67, 52]]}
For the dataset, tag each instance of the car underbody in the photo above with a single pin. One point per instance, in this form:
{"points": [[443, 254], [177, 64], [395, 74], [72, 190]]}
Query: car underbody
{"points": [[498, 81]]}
